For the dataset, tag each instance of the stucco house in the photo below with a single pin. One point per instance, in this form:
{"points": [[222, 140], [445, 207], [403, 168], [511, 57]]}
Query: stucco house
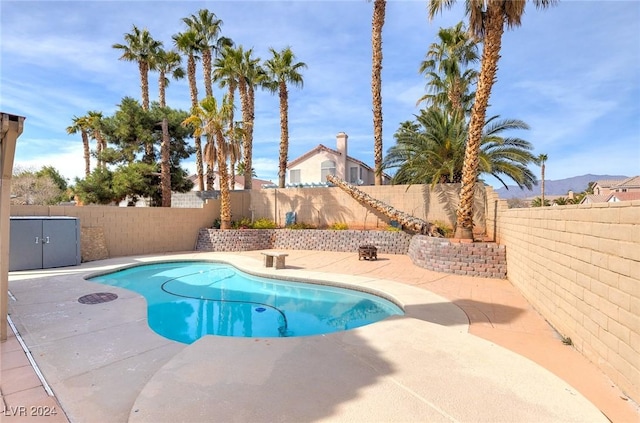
{"points": [[614, 190], [313, 167]]}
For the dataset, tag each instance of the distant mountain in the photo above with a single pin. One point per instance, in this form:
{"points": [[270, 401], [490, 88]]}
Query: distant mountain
{"points": [[558, 187]]}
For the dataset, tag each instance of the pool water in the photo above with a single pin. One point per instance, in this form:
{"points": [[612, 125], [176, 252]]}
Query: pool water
{"points": [[188, 300]]}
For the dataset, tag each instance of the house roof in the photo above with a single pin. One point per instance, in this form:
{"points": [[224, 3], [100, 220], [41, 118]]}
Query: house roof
{"points": [[608, 183], [625, 196], [323, 148], [239, 180], [592, 198], [632, 182]]}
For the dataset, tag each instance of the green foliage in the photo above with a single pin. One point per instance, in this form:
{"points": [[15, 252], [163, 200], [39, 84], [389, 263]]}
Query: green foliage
{"points": [[264, 223], [56, 177], [444, 228], [300, 225], [339, 226], [537, 202], [96, 188], [134, 135], [431, 150], [244, 223]]}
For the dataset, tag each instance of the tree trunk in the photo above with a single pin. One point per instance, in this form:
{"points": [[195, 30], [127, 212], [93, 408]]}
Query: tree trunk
{"points": [[407, 221], [144, 84], [87, 153], [162, 81], [488, 69], [191, 73], [225, 200], [542, 183], [376, 86], [206, 66], [247, 141], [284, 134], [165, 168]]}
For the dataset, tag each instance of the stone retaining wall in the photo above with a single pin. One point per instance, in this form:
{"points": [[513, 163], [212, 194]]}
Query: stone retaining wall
{"points": [[388, 242], [484, 259]]}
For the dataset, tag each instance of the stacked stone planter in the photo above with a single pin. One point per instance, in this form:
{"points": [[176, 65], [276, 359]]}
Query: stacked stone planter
{"points": [[484, 259], [387, 242]]}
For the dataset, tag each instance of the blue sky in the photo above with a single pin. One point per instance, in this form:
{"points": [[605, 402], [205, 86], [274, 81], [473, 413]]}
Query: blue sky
{"points": [[571, 72]]}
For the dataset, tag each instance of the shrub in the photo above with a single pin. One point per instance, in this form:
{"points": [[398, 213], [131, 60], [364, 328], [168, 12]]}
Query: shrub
{"points": [[300, 225], [444, 229], [339, 226], [392, 228], [216, 224], [264, 223], [244, 223]]}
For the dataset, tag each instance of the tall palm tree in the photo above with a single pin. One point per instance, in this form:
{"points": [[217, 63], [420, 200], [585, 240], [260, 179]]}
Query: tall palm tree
{"points": [[140, 47], [487, 20], [282, 69], [249, 73], [431, 150], [165, 164], [167, 63], [377, 23], [94, 119], [225, 73], [188, 43], [82, 124], [445, 66], [542, 159], [207, 26], [212, 120]]}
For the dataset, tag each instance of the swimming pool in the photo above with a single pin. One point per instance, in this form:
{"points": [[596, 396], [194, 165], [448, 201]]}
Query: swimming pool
{"points": [[188, 300]]}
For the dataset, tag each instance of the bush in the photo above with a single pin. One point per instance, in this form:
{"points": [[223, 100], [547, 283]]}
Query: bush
{"points": [[339, 226], [300, 225], [264, 223], [444, 229], [244, 223]]}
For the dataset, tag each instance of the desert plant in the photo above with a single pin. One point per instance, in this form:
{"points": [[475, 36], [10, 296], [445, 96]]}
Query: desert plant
{"points": [[300, 225], [244, 223], [264, 223], [339, 226], [444, 229]]}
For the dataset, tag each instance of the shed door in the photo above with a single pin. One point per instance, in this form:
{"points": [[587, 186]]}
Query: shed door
{"points": [[59, 246], [25, 250]]}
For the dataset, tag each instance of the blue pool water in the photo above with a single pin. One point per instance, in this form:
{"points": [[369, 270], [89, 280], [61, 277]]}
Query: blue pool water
{"points": [[187, 300]]}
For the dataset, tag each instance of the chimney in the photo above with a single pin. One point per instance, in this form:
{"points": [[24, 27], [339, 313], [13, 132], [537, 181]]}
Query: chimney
{"points": [[341, 146]]}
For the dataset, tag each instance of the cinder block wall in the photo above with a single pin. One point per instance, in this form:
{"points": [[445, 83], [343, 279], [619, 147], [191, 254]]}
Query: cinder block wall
{"points": [[579, 266], [322, 207], [136, 230]]}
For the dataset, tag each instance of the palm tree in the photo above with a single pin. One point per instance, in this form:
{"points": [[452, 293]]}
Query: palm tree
{"points": [[165, 164], [445, 66], [225, 73], [188, 43], [207, 26], [212, 120], [282, 69], [431, 150], [487, 19], [248, 73], [140, 47], [82, 124], [94, 119], [542, 158], [377, 23], [167, 63]]}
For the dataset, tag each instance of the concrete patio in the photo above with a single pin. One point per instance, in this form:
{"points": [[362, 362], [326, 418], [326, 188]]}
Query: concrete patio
{"points": [[469, 349]]}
